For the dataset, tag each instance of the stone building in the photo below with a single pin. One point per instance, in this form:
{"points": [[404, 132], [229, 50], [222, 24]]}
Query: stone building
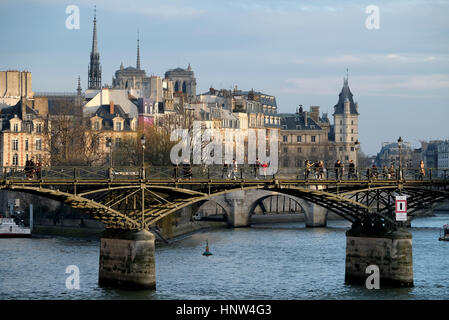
{"points": [[344, 131], [304, 136], [112, 126], [307, 135], [183, 80], [389, 155], [24, 133], [443, 159]]}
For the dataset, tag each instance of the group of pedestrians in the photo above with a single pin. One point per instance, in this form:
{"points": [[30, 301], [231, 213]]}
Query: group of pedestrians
{"points": [[32, 169], [320, 172]]}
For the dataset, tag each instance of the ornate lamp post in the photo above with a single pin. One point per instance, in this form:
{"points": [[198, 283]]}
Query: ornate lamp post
{"points": [[356, 148], [109, 144], [142, 141], [400, 157]]}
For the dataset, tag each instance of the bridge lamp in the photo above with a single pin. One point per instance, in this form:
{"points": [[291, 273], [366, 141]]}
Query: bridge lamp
{"points": [[109, 144], [142, 141], [400, 156]]}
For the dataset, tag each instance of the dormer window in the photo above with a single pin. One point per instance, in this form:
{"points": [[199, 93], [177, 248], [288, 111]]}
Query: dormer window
{"points": [[16, 127], [118, 126], [39, 127], [97, 125]]}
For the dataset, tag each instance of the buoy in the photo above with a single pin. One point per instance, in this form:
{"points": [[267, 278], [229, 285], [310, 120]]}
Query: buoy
{"points": [[207, 252]]}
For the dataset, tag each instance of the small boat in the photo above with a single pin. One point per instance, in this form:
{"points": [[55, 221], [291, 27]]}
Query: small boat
{"points": [[444, 234], [207, 252], [9, 229]]}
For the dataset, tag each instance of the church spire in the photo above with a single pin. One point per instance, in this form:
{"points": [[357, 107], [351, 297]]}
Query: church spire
{"points": [[138, 52], [78, 89], [94, 72], [94, 39]]}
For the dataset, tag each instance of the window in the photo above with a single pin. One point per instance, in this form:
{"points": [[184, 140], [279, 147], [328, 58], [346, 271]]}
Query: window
{"points": [[118, 126], [341, 122], [299, 150], [352, 138], [38, 144], [298, 138], [16, 127], [284, 138], [352, 130], [346, 158], [352, 121], [284, 150], [15, 160], [312, 138], [39, 127], [352, 148], [118, 142], [97, 125], [313, 149], [15, 144], [26, 144]]}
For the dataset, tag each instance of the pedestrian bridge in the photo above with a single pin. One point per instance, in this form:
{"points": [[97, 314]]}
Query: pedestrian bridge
{"points": [[130, 200], [135, 198]]}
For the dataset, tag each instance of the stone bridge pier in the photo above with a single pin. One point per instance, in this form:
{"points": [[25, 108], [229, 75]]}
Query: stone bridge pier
{"points": [[127, 259], [390, 252]]}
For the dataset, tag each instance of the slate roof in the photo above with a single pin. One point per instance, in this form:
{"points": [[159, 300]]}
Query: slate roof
{"points": [[108, 124], [345, 93], [297, 122]]}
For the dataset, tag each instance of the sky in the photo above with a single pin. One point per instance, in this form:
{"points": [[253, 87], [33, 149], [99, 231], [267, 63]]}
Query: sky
{"points": [[298, 51]]}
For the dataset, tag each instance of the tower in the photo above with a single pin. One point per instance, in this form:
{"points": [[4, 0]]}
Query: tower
{"points": [[94, 72], [346, 115]]}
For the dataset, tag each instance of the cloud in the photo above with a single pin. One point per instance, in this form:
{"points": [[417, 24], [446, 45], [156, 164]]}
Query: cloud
{"points": [[414, 86], [352, 60]]}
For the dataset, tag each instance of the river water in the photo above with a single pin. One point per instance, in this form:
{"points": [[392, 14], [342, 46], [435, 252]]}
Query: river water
{"points": [[269, 261]]}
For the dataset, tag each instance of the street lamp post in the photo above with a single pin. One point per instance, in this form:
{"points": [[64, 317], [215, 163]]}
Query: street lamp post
{"points": [[400, 157], [109, 144], [356, 148], [142, 141]]}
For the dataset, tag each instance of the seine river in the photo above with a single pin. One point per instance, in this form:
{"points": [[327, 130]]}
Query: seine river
{"points": [[269, 261]]}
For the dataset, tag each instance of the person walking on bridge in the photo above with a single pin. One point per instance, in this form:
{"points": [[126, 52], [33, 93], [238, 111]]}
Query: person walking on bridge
{"points": [[338, 170], [234, 169], [351, 171], [422, 170], [307, 168]]}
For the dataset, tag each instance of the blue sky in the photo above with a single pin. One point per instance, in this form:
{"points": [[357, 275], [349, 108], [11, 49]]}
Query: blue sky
{"points": [[295, 50]]}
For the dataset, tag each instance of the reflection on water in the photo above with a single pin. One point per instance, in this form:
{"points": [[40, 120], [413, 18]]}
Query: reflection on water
{"points": [[273, 261]]}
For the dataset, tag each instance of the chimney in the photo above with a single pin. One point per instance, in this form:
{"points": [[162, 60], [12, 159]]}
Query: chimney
{"points": [[315, 113], [111, 107], [305, 118]]}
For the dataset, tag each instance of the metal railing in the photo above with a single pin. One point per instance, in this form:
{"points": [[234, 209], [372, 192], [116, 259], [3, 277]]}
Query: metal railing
{"points": [[215, 172]]}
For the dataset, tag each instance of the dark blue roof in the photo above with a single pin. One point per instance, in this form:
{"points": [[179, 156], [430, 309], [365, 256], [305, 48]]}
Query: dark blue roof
{"points": [[345, 93]]}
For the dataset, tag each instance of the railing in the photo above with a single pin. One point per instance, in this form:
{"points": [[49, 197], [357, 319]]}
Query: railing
{"points": [[215, 172]]}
